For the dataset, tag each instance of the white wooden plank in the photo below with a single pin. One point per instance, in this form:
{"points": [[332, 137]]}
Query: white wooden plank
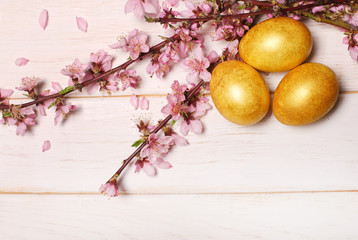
{"points": [[50, 50], [262, 216], [265, 157]]}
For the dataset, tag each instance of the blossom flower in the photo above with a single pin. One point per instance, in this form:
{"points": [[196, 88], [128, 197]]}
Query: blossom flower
{"points": [[197, 66], [76, 70], [4, 95], [110, 188], [193, 10], [352, 46], [149, 168], [135, 43], [100, 61], [193, 125], [23, 118], [158, 68], [141, 7], [28, 84], [174, 107], [63, 111], [127, 78], [156, 147]]}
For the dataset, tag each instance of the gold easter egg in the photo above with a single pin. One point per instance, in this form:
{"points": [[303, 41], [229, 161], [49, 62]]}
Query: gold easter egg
{"points": [[305, 94], [276, 45], [239, 92]]}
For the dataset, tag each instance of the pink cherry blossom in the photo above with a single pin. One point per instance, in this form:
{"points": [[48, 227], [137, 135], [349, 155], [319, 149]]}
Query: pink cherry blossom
{"points": [[28, 84], [157, 68], [147, 167], [174, 107], [134, 101], [63, 112], [100, 61], [23, 118], [136, 43], [43, 19], [46, 146], [196, 66], [76, 70], [142, 7], [4, 95], [156, 147], [21, 61], [193, 125], [81, 24], [110, 188]]}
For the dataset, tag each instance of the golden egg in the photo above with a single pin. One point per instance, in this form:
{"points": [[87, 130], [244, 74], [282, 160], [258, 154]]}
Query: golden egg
{"points": [[305, 94], [276, 45], [239, 92]]}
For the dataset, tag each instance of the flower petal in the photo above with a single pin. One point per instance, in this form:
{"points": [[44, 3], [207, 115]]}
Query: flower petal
{"points": [[46, 145], [21, 61], [149, 169], [81, 24], [43, 19], [144, 104], [134, 101]]}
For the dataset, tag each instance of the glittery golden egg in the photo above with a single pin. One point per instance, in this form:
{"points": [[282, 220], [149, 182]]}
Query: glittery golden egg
{"points": [[239, 92], [276, 45], [305, 94]]}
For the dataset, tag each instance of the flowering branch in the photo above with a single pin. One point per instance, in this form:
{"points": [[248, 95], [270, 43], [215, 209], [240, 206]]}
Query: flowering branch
{"points": [[79, 86], [242, 15], [193, 91]]}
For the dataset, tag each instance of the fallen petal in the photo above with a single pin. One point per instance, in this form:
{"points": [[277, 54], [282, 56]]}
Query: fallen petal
{"points": [[144, 104], [81, 24], [134, 101], [43, 19], [21, 61], [46, 145]]}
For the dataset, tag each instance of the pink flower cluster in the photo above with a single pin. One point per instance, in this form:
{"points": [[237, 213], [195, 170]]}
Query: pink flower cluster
{"points": [[187, 112], [23, 118]]}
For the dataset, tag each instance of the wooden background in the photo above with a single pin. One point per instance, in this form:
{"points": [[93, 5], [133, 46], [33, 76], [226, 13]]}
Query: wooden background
{"points": [[267, 181]]}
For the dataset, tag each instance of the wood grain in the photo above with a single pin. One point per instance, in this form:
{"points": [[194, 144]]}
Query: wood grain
{"points": [[267, 181], [266, 157], [270, 216]]}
